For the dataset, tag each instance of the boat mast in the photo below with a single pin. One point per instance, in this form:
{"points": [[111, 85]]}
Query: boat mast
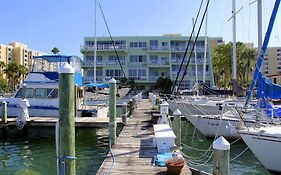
{"points": [[263, 50], [95, 47], [195, 58], [234, 64], [259, 5], [206, 44]]}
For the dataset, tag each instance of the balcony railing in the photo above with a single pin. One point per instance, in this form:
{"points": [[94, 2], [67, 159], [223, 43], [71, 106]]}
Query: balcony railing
{"points": [[103, 47], [160, 63], [91, 63], [142, 78], [153, 78], [156, 48]]}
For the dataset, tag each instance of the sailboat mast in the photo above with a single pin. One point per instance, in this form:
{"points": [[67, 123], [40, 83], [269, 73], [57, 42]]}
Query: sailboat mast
{"points": [[95, 47], [259, 5], [205, 47], [234, 64], [195, 56]]}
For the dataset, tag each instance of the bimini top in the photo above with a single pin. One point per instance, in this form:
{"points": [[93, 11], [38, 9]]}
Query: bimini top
{"points": [[48, 65]]}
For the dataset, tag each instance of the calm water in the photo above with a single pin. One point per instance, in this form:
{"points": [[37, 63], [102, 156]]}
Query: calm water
{"points": [[245, 164], [35, 154], [38, 156]]}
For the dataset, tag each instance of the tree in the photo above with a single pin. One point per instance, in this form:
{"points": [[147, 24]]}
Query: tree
{"points": [[164, 84], [12, 74], [2, 66], [55, 50], [3, 85], [131, 83], [222, 64]]}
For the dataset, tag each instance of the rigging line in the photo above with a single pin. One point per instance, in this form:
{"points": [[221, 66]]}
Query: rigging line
{"points": [[112, 42], [189, 58], [189, 40]]}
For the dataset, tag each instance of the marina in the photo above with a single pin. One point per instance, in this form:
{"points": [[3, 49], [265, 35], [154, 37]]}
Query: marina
{"points": [[170, 104]]}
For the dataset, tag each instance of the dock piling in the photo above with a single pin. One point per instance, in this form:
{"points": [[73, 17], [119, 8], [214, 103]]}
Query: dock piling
{"points": [[112, 111], [66, 119], [124, 112], [4, 112], [177, 126], [221, 156]]}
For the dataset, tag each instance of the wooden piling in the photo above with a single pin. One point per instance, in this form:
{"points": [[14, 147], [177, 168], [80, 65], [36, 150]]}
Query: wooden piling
{"points": [[124, 112], [221, 156], [112, 111], [66, 118], [4, 112], [177, 126]]}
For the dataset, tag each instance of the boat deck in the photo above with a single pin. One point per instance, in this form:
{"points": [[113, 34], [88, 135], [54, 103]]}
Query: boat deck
{"points": [[134, 152]]}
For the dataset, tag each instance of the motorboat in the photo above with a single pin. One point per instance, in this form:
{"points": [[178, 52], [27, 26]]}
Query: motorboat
{"points": [[42, 88]]}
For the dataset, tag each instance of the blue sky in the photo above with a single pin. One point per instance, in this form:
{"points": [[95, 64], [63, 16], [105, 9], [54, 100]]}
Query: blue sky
{"points": [[44, 24]]}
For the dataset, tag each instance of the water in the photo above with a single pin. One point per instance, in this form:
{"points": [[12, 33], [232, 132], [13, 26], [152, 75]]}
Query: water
{"points": [[35, 154], [245, 164]]}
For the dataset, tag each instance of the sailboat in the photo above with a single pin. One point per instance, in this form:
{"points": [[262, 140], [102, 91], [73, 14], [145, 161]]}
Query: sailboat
{"points": [[265, 141]]}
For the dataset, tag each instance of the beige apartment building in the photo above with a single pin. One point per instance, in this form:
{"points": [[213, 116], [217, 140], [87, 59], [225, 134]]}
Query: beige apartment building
{"points": [[18, 53], [272, 64]]}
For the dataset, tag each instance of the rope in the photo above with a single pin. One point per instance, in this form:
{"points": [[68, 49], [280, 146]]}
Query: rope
{"points": [[112, 42], [186, 49], [189, 58], [239, 154]]}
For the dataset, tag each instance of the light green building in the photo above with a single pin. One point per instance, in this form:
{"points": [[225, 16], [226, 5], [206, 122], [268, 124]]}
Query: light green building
{"points": [[146, 58]]}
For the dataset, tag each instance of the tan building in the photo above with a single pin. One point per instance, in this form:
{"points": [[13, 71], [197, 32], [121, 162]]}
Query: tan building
{"points": [[18, 53], [272, 64]]}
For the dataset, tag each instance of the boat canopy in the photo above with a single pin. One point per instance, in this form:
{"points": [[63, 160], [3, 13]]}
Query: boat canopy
{"points": [[48, 65], [267, 89], [100, 85], [51, 63]]}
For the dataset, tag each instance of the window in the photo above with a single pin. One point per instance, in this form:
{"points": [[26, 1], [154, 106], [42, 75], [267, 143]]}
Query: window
{"points": [[138, 74], [52, 93], [113, 73], [133, 44], [40, 93], [142, 44], [137, 58], [138, 44], [154, 59], [29, 93]]}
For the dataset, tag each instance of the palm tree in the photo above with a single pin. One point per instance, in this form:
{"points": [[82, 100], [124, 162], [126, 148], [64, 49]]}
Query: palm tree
{"points": [[2, 65], [12, 74], [55, 50], [22, 72]]}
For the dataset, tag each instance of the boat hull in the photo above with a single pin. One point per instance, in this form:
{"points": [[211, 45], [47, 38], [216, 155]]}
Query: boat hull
{"points": [[266, 148]]}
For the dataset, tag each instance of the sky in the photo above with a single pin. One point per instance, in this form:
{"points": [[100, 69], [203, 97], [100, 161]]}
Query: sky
{"points": [[44, 24]]}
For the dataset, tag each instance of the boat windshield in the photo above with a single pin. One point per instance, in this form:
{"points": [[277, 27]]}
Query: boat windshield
{"points": [[52, 63]]}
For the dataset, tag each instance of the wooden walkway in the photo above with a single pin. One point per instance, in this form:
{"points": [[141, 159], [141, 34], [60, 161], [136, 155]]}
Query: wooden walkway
{"points": [[51, 121], [134, 152]]}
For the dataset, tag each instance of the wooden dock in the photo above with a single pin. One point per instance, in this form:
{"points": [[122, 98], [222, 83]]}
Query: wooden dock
{"points": [[51, 121], [134, 152]]}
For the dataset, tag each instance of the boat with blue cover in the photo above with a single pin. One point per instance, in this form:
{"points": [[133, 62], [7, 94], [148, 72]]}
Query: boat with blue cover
{"points": [[42, 85]]}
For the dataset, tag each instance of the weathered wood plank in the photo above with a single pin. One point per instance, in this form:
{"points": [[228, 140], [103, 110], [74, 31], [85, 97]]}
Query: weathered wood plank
{"points": [[134, 152]]}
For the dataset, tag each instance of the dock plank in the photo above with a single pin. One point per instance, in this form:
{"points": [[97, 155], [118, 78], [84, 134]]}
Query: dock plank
{"points": [[134, 152]]}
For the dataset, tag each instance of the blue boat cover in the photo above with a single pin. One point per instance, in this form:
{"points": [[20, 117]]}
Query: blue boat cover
{"points": [[100, 85], [267, 89], [161, 158]]}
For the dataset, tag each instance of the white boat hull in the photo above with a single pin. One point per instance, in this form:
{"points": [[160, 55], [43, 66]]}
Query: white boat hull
{"points": [[266, 148]]}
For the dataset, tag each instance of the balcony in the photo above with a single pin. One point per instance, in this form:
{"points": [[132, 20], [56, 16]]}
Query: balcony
{"points": [[116, 63], [153, 78], [90, 79], [91, 63], [158, 48], [119, 47], [140, 78], [159, 63]]}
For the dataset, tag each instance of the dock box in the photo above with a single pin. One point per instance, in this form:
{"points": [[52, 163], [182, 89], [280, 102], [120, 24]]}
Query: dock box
{"points": [[164, 138]]}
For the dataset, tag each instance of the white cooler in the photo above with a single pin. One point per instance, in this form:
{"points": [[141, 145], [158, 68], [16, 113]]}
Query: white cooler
{"points": [[164, 138]]}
